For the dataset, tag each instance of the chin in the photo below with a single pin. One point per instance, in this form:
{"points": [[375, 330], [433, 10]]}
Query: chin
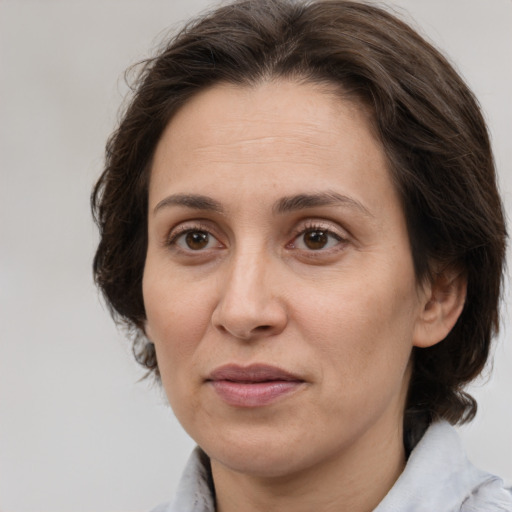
{"points": [[261, 461], [264, 452]]}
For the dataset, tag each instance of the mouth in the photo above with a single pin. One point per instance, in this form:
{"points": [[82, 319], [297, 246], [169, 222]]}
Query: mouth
{"points": [[253, 386]]}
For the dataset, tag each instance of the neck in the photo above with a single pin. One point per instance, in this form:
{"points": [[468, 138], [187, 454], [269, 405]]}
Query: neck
{"points": [[355, 480]]}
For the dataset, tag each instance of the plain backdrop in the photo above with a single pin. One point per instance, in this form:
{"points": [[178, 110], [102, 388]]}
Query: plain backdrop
{"points": [[78, 432]]}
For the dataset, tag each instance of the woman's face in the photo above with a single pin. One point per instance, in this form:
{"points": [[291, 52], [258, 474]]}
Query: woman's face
{"points": [[279, 285]]}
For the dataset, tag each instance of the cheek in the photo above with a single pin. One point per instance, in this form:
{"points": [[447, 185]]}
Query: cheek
{"points": [[362, 329], [176, 322], [178, 314]]}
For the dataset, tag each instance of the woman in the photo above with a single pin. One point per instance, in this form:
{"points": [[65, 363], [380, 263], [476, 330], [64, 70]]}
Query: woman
{"points": [[299, 219]]}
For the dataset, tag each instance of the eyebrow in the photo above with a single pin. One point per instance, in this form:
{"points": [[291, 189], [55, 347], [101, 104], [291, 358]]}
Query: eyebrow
{"points": [[329, 198], [192, 201], [284, 205]]}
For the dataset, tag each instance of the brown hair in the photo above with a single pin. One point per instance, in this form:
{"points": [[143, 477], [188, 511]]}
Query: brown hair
{"points": [[429, 124]]}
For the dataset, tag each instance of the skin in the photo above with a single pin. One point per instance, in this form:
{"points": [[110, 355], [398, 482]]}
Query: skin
{"points": [[343, 315]]}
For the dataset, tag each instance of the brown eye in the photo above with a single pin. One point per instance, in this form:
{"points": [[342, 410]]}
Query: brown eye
{"points": [[197, 240], [316, 239], [193, 240]]}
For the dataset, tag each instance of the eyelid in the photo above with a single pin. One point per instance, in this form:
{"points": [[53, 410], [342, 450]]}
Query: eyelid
{"points": [[333, 230], [321, 225], [188, 226], [330, 227]]}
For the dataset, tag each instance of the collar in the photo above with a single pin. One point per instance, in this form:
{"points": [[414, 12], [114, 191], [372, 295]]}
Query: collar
{"points": [[438, 477]]}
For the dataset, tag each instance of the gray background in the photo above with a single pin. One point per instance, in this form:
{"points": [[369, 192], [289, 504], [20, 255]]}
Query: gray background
{"points": [[77, 431]]}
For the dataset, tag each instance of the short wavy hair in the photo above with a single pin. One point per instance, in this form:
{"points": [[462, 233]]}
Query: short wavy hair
{"points": [[429, 124]]}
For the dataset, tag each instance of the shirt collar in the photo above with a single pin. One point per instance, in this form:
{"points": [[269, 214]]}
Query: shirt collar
{"points": [[438, 477]]}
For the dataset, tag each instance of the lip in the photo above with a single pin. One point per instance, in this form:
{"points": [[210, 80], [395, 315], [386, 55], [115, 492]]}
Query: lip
{"points": [[256, 385]]}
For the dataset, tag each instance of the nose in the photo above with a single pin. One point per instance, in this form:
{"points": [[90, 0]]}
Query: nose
{"points": [[250, 304]]}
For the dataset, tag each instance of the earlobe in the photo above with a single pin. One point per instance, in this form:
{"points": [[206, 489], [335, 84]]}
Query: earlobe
{"points": [[443, 303]]}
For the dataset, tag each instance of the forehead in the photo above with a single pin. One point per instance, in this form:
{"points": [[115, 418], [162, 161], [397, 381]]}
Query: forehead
{"points": [[274, 99], [274, 135]]}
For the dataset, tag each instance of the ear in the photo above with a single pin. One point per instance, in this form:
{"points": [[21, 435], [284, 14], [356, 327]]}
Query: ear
{"points": [[442, 304]]}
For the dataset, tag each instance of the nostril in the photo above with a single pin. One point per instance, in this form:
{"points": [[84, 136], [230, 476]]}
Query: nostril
{"points": [[263, 328]]}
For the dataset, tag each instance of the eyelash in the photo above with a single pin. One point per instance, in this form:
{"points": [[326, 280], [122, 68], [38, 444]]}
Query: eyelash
{"points": [[318, 227], [175, 234]]}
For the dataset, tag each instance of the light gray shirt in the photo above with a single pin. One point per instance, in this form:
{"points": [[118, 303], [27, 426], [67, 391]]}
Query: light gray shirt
{"points": [[437, 478]]}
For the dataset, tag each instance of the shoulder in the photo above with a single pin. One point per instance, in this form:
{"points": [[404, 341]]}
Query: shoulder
{"points": [[195, 489], [164, 507], [490, 496], [438, 476]]}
